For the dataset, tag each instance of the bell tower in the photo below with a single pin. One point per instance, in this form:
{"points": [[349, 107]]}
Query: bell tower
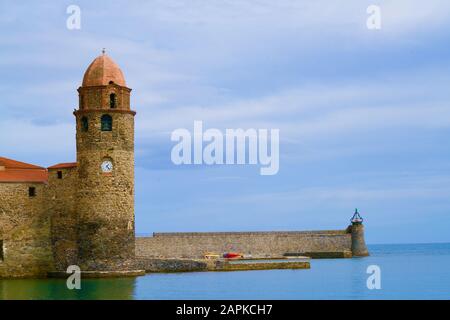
{"points": [[105, 156]]}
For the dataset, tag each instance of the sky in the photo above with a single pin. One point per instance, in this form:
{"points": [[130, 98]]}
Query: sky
{"points": [[364, 115]]}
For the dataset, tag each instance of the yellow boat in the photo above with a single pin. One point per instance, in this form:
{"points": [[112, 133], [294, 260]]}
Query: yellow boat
{"points": [[211, 255]]}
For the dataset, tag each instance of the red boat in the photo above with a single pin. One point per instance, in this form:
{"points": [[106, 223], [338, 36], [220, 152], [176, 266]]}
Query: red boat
{"points": [[232, 255]]}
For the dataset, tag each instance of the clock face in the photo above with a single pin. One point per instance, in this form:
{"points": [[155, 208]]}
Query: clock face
{"points": [[107, 166]]}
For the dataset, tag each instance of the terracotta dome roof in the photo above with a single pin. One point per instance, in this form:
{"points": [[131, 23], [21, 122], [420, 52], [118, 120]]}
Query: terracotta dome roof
{"points": [[102, 71]]}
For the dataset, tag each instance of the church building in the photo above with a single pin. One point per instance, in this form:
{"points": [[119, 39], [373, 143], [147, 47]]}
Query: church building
{"points": [[78, 213]]}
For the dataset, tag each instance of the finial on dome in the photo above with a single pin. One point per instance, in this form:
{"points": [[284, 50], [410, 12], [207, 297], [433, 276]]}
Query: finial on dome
{"points": [[103, 51]]}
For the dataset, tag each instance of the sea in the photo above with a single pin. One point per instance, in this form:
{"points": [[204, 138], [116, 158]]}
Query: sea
{"points": [[394, 271]]}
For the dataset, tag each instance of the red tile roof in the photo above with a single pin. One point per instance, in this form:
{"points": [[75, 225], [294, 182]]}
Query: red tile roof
{"points": [[64, 165], [16, 171], [24, 175], [13, 164]]}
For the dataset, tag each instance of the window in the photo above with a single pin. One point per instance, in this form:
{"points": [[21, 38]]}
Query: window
{"points": [[59, 174], [112, 100], [32, 191], [84, 124], [1, 251], [106, 122]]}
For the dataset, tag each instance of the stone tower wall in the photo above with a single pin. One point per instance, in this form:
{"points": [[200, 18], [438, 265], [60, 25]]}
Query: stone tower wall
{"points": [[97, 97], [105, 201], [359, 247], [61, 195]]}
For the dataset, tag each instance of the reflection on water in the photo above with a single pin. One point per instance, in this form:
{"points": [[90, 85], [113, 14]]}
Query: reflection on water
{"points": [[91, 289]]}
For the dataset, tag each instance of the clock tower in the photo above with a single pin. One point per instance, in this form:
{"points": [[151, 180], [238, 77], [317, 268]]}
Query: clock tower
{"points": [[105, 157]]}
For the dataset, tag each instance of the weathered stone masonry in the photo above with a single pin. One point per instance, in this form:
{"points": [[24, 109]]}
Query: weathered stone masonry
{"points": [[82, 213], [257, 244], [24, 231]]}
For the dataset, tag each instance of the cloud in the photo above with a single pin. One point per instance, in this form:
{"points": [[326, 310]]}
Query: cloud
{"points": [[41, 144], [319, 111], [350, 103], [349, 195]]}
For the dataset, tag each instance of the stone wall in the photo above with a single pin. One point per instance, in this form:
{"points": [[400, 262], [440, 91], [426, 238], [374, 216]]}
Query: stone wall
{"points": [[105, 201], [193, 265], [257, 244], [24, 231], [171, 265], [359, 248], [61, 209]]}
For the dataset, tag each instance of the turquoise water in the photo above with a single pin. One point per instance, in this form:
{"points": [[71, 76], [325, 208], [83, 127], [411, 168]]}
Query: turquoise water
{"points": [[413, 271]]}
